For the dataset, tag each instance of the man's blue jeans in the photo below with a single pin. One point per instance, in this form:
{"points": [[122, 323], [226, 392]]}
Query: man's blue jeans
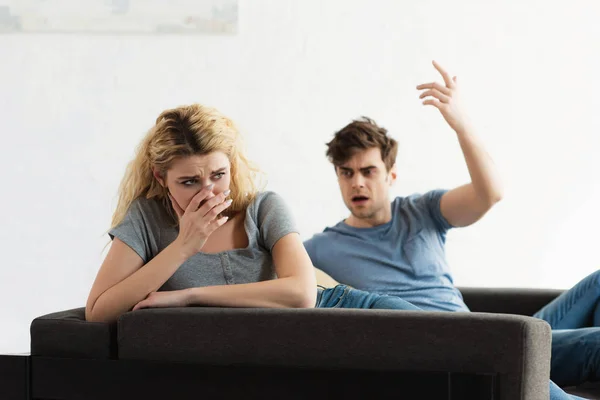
{"points": [[575, 320], [342, 296]]}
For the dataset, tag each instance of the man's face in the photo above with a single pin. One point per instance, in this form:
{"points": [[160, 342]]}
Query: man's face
{"points": [[365, 183]]}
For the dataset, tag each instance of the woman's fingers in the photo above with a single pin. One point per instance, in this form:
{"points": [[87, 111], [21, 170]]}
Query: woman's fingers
{"points": [[197, 199], [216, 224], [211, 203], [218, 209], [178, 210]]}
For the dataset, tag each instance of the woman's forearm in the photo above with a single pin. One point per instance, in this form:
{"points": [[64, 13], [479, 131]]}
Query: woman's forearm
{"points": [[290, 292], [121, 297]]}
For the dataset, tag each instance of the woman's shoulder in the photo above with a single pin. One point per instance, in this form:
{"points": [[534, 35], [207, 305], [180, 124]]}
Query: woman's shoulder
{"points": [[266, 200], [151, 209], [145, 204], [271, 217], [267, 203], [266, 196]]}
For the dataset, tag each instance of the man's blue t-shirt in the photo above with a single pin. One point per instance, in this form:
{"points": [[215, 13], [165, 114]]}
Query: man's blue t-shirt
{"points": [[404, 257]]}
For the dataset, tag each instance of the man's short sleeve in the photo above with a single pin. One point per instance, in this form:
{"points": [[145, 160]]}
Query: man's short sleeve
{"points": [[311, 248], [431, 203]]}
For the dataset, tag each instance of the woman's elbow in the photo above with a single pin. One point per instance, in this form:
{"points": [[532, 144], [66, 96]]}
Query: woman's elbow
{"points": [[91, 316], [89, 309], [306, 297], [94, 314]]}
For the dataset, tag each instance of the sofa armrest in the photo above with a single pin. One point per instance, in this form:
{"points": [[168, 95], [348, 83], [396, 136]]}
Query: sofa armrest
{"points": [[508, 301], [514, 348], [67, 334]]}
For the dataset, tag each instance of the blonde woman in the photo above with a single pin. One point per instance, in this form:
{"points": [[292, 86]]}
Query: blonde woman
{"points": [[192, 228]]}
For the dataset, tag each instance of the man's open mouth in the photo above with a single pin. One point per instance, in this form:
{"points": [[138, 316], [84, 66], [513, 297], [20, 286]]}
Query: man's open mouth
{"points": [[359, 199]]}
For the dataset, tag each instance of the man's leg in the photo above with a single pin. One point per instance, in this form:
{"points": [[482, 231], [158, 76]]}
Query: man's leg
{"points": [[575, 356], [557, 393], [575, 308], [342, 296]]}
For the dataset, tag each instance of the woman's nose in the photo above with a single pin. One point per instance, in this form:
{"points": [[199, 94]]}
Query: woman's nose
{"points": [[205, 183]]}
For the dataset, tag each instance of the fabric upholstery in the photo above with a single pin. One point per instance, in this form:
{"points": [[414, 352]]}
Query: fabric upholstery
{"points": [[68, 334]]}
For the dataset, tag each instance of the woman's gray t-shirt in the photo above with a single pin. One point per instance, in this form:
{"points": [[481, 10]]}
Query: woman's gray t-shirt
{"points": [[147, 228]]}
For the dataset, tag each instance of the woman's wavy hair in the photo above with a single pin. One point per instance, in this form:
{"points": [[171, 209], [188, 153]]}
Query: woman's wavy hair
{"points": [[182, 132]]}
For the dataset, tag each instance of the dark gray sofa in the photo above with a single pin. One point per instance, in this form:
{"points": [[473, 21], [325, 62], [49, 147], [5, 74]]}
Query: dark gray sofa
{"points": [[195, 352]]}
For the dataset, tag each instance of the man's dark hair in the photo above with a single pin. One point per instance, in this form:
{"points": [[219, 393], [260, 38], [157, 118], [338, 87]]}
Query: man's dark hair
{"points": [[361, 134]]}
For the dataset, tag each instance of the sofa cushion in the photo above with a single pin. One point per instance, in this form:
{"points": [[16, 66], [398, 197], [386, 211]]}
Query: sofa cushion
{"points": [[332, 338], [508, 300], [67, 334]]}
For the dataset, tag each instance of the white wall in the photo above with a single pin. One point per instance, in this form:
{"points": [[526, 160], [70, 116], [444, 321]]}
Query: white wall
{"points": [[73, 107]]}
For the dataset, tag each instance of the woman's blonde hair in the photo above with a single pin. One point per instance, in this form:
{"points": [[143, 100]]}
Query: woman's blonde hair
{"points": [[182, 132]]}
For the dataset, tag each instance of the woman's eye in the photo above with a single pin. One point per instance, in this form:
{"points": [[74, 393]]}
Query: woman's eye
{"points": [[189, 182], [219, 175]]}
